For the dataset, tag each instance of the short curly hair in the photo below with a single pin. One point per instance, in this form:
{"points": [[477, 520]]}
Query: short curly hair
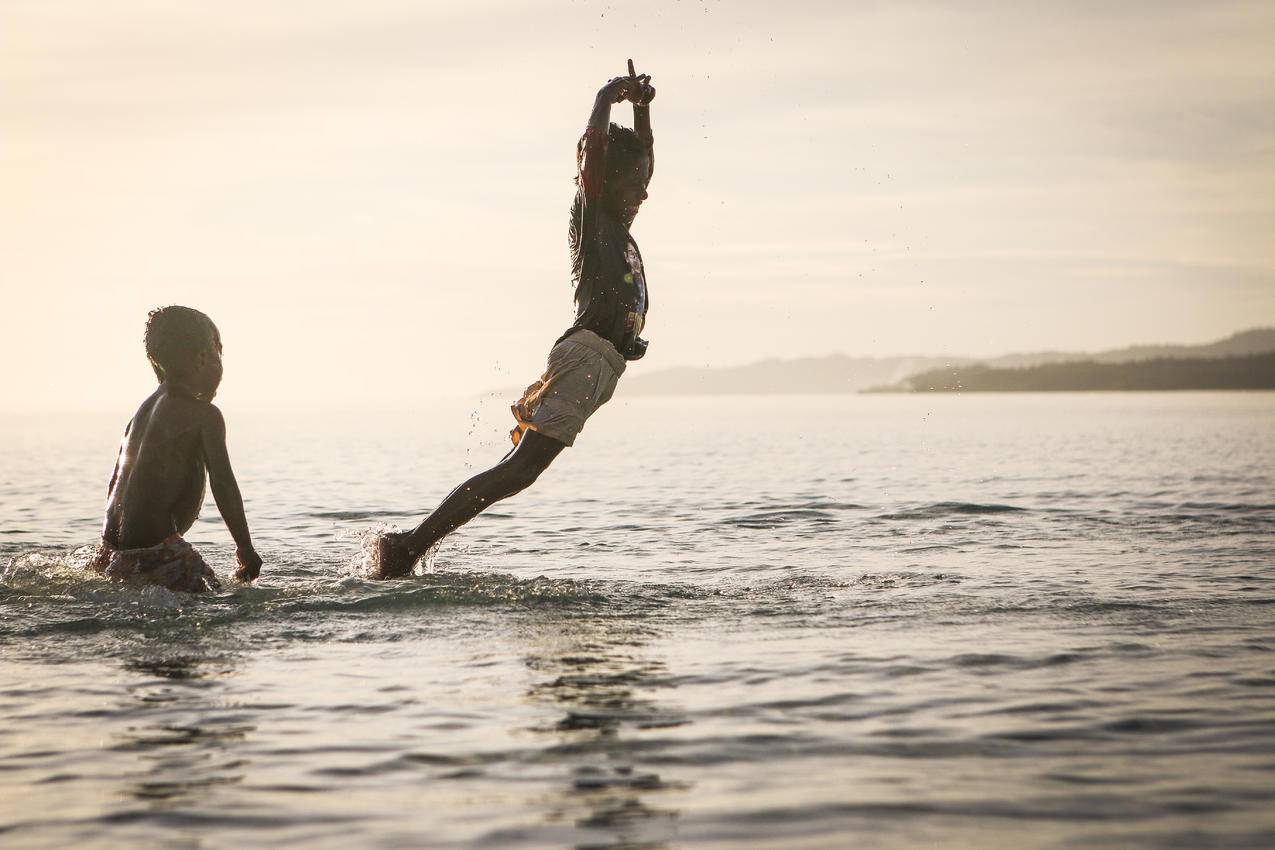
{"points": [[175, 336]]}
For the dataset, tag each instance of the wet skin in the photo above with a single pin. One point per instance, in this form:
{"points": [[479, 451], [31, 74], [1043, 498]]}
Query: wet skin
{"points": [[158, 486], [396, 553], [175, 441]]}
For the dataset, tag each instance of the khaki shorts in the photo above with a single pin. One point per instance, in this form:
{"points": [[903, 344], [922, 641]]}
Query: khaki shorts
{"points": [[581, 376]]}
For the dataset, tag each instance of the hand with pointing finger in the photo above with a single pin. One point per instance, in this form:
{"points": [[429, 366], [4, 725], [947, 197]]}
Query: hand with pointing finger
{"points": [[640, 91]]}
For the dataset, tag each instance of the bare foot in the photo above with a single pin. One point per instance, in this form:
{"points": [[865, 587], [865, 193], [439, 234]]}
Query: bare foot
{"points": [[390, 557]]}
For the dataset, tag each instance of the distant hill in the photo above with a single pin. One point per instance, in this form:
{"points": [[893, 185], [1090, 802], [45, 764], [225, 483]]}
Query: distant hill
{"points": [[1248, 372], [841, 373], [1255, 341]]}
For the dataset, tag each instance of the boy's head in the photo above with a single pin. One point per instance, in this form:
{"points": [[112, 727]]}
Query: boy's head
{"points": [[184, 345], [628, 172]]}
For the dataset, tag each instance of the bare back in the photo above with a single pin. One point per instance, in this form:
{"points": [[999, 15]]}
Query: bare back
{"points": [[158, 485]]}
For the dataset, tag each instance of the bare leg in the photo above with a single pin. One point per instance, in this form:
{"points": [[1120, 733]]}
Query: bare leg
{"points": [[397, 553]]}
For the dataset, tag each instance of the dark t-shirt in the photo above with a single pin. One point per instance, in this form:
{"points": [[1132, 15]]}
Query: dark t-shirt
{"points": [[606, 265]]}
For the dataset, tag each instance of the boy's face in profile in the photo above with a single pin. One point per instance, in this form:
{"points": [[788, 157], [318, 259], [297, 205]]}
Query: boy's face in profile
{"points": [[626, 189], [206, 377]]}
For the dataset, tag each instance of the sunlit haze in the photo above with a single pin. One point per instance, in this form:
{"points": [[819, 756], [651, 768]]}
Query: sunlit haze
{"points": [[370, 198]]}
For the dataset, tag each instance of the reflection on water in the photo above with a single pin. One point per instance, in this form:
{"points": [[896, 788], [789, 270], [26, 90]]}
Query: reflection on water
{"points": [[184, 742], [599, 673]]}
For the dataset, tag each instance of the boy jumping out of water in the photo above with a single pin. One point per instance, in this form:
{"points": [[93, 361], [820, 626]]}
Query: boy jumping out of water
{"points": [[614, 166], [158, 484]]}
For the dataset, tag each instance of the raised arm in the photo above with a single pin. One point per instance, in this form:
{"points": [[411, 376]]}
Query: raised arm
{"points": [[225, 490], [641, 93], [591, 153]]}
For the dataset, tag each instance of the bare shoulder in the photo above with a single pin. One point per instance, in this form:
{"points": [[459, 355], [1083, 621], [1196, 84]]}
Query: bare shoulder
{"points": [[141, 420], [211, 420], [176, 415], [212, 414]]}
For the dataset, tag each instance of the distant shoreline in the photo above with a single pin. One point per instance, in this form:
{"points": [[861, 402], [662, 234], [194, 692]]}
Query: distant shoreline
{"points": [[1249, 372], [1183, 367]]}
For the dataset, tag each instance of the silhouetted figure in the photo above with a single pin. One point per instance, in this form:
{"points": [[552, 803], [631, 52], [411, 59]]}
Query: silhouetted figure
{"points": [[614, 166], [175, 437]]}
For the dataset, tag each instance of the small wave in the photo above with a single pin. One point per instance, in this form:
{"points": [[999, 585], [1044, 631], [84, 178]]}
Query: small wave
{"points": [[349, 515], [771, 515], [1018, 662], [815, 504], [1153, 725], [774, 519], [1068, 606], [937, 510], [1222, 507], [1079, 704]]}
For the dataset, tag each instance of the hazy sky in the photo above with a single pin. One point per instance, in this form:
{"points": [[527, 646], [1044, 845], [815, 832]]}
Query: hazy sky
{"points": [[370, 197]]}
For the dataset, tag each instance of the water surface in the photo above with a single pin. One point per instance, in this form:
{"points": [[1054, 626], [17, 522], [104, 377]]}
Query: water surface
{"points": [[958, 621]]}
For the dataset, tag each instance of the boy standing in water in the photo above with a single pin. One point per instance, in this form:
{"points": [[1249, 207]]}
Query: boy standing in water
{"points": [[614, 166], [158, 484]]}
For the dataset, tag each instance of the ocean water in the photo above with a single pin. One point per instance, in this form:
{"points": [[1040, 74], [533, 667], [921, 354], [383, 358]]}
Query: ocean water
{"points": [[974, 621]]}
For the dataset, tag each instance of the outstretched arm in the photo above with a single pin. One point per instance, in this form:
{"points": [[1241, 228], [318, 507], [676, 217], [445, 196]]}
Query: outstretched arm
{"points": [[221, 478]]}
